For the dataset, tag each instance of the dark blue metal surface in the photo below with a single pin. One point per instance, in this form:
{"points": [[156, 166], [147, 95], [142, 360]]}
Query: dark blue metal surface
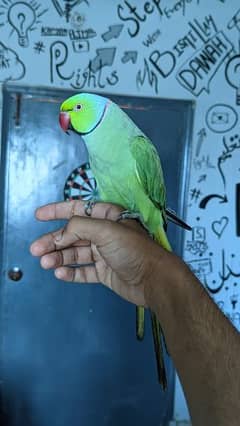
{"points": [[68, 353]]}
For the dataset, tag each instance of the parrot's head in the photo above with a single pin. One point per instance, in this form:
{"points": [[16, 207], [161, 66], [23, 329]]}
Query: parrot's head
{"points": [[82, 113]]}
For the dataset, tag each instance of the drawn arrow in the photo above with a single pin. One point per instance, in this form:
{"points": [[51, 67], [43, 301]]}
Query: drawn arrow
{"points": [[202, 134], [113, 32], [62, 11], [131, 55], [203, 203], [202, 178], [105, 57]]}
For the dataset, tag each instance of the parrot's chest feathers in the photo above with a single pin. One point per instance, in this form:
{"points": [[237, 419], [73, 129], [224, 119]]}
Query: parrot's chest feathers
{"points": [[111, 160], [114, 174], [114, 170]]}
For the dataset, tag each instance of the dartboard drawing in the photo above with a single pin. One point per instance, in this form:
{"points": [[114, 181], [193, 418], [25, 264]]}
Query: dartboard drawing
{"points": [[81, 185]]}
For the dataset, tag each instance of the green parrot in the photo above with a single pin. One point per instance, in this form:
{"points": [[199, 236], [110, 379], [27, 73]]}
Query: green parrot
{"points": [[128, 172]]}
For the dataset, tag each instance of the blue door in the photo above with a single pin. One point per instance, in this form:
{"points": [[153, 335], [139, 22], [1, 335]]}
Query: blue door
{"points": [[68, 353]]}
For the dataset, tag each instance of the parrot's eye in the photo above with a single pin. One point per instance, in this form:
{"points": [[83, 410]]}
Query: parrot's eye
{"points": [[78, 107]]}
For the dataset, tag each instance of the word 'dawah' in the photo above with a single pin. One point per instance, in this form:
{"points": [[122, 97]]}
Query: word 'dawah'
{"points": [[196, 74]]}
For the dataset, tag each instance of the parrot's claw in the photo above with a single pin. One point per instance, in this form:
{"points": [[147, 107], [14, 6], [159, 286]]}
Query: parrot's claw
{"points": [[88, 206], [127, 214]]}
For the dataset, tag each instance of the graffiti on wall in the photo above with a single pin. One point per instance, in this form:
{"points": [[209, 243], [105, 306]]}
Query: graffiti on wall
{"points": [[179, 50]]}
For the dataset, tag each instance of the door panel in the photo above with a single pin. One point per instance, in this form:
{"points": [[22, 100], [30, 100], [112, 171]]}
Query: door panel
{"points": [[69, 355]]}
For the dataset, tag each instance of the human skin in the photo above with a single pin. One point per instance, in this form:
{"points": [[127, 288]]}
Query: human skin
{"points": [[203, 344]]}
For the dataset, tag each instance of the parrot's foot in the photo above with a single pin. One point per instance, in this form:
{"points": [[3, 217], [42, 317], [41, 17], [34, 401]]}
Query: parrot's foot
{"points": [[126, 214], [88, 206]]}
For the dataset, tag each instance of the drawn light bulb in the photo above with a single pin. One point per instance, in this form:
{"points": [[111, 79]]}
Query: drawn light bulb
{"points": [[21, 16], [233, 75]]}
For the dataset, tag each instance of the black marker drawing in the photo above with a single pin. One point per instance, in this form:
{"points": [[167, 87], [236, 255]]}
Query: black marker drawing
{"points": [[137, 14], [235, 23], [201, 136], [234, 300], [203, 163], [201, 268], [39, 47], [197, 245], [64, 7], [219, 226], [58, 58], [238, 209], [105, 57], [225, 273], [151, 38], [80, 46], [163, 62], [11, 67], [82, 34], [232, 73], [220, 118], [178, 6], [202, 178], [80, 40], [195, 194], [147, 75], [113, 32], [197, 72], [130, 55], [22, 16], [198, 34], [229, 148], [89, 78], [203, 203], [55, 32]]}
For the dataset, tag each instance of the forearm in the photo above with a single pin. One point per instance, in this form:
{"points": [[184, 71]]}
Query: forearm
{"points": [[203, 344]]}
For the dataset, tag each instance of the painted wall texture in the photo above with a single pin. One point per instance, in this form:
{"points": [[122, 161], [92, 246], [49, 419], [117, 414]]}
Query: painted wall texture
{"points": [[181, 49]]}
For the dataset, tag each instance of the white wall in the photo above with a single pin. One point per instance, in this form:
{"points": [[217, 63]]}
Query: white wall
{"points": [[184, 49]]}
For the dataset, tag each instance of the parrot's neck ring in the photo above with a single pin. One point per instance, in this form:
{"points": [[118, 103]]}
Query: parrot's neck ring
{"points": [[99, 121]]}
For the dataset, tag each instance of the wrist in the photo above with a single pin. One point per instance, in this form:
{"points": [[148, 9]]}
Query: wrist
{"points": [[166, 282]]}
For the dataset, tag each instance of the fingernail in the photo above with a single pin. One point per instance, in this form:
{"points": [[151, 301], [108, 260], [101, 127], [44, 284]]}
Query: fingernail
{"points": [[34, 249], [59, 237], [59, 273], [37, 213], [46, 262]]}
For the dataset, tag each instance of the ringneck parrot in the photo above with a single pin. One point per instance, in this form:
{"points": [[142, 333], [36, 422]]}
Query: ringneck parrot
{"points": [[128, 172]]}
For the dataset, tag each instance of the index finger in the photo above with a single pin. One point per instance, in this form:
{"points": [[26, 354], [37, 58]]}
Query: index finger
{"points": [[68, 209]]}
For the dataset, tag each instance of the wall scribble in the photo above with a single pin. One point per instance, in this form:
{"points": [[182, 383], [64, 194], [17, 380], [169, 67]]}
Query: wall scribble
{"points": [[178, 49]]}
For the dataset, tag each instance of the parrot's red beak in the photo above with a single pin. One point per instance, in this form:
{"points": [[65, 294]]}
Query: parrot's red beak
{"points": [[64, 120]]}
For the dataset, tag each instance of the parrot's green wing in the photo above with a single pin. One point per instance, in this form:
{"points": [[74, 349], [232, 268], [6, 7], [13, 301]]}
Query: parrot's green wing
{"points": [[150, 176], [149, 171]]}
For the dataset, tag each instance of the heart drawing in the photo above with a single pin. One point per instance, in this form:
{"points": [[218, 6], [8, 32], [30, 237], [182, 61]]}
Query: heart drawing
{"points": [[218, 226]]}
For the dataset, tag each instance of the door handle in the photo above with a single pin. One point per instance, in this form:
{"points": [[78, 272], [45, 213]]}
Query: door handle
{"points": [[15, 273]]}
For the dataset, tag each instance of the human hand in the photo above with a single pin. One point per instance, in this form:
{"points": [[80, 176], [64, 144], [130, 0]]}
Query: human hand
{"points": [[120, 255]]}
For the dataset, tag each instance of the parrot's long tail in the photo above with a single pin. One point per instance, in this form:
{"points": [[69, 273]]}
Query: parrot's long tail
{"points": [[140, 314], [158, 338], [161, 237], [158, 345]]}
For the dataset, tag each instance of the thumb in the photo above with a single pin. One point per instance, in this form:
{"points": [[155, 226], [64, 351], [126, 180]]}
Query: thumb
{"points": [[96, 231]]}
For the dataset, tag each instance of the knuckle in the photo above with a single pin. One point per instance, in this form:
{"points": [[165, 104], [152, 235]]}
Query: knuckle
{"points": [[59, 258], [72, 223], [112, 211], [74, 255]]}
